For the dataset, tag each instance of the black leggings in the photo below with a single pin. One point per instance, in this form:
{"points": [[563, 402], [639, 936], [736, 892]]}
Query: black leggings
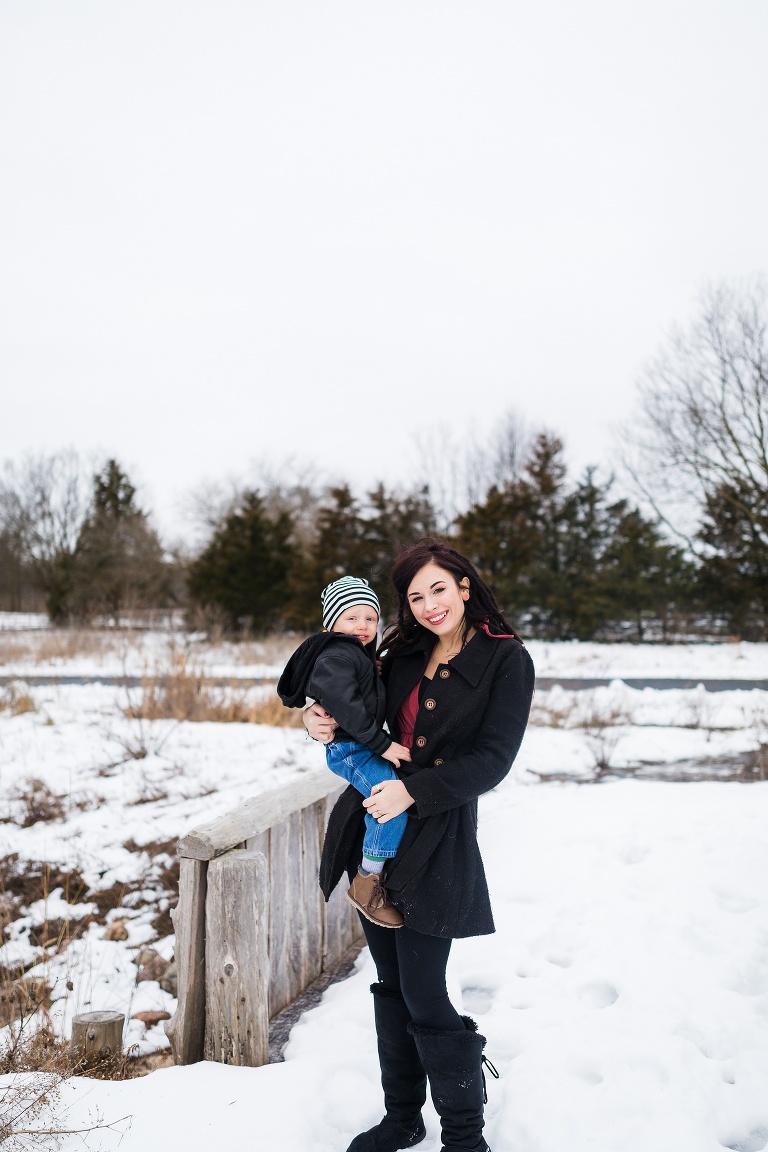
{"points": [[413, 964]]}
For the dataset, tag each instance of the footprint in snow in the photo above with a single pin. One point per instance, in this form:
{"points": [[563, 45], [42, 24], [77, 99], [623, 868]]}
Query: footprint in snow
{"points": [[477, 1000], [735, 902], [600, 995], [561, 959], [754, 1141], [587, 1073]]}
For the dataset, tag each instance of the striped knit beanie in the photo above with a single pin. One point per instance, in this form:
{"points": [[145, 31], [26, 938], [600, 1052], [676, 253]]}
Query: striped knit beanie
{"points": [[342, 594]]}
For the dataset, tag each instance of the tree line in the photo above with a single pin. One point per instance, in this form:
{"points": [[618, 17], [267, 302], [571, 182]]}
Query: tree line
{"points": [[568, 557]]}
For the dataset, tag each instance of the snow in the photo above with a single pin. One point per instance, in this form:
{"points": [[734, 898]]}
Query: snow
{"points": [[624, 995], [730, 661], [22, 621]]}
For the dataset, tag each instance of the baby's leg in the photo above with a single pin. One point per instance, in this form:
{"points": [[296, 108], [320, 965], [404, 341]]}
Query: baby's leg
{"points": [[363, 770]]}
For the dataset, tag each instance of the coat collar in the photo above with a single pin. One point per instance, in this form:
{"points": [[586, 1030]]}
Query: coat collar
{"points": [[470, 663]]}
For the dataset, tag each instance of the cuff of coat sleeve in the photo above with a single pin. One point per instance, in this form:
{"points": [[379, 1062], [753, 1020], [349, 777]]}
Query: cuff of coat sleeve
{"points": [[419, 789], [380, 743]]}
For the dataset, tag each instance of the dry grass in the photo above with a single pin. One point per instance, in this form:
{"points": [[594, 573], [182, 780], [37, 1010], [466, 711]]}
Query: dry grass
{"points": [[583, 710], [270, 650], [17, 699], [36, 1062], [58, 644], [185, 693], [36, 804]]}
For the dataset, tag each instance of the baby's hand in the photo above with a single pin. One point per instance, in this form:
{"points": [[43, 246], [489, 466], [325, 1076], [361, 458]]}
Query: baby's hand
{"points": [[397, 752]]}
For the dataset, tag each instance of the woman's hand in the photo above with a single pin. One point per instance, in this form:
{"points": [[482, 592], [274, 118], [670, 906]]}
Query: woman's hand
{"points": [[320, 724], [388, 800]]}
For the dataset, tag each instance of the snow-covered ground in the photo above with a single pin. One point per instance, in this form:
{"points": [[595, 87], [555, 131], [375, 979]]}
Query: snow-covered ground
{"points": [[624, 995], [736, 661]]}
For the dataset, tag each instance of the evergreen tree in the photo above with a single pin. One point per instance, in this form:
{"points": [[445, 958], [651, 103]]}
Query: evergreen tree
{"points": [[394, 521], [244, 570], [357, 538], [733, 573], [118, 561], [568, 562], [643, 577], [516, 536]]}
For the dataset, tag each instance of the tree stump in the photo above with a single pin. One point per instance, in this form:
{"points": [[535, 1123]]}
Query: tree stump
{"points": [[96, 1035]]}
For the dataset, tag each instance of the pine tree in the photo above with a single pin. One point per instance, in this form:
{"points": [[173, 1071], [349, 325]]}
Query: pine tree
{"points": [[244, 570], [118, 561], [565, 560], [515, 537], [643, 577], [357, 538], [733, 573]]}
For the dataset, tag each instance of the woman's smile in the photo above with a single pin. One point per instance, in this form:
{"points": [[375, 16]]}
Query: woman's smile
{"points": [[438, 618]]}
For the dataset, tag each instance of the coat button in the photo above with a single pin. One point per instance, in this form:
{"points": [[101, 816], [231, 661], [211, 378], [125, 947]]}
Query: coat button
{"points": [[444, 673], [421, 742], [438, 762], [430, 703]]}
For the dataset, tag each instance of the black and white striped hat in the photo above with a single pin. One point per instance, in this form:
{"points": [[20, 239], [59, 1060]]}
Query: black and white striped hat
{"points": [[342, 594]]}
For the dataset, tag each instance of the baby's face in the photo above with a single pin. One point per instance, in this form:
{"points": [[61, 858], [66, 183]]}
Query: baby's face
{"points": [[360, 620]]}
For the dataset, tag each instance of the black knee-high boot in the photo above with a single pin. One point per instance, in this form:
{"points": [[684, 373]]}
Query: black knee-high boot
{"points": [[402, 1078], [454, 1064]]}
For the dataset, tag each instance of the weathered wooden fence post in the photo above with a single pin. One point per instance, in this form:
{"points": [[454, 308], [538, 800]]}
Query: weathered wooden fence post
{"points": [[252, 929], [186, 1031], [236, 960]]}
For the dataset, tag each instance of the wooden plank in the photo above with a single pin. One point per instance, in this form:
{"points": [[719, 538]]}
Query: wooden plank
{"points": [[313, 827], [288, 913], [186, 1031], [237, 985], [257, 815]]}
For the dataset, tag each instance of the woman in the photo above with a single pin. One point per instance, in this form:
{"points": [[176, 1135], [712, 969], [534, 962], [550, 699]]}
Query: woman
{"points": [[459, 686]]}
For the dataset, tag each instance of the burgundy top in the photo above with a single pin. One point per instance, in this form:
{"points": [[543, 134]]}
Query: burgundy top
{"points": [[406, 716]]}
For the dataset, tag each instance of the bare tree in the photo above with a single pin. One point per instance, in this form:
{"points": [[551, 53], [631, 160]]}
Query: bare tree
{"points": [[702, 432], [43, 503], [290, 487], [459, 468]]}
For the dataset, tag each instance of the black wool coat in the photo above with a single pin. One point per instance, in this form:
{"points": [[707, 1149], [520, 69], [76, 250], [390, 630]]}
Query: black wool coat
{"points": [[468, 731]]}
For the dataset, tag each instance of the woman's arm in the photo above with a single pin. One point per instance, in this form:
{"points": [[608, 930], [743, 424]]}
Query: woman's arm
{"points": [[439, 788]]}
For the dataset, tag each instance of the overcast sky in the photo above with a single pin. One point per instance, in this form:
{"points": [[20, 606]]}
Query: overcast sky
{"points": [[238, 230]]}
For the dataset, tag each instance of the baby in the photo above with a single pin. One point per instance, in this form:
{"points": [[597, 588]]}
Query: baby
{"points": [[337, 669]]}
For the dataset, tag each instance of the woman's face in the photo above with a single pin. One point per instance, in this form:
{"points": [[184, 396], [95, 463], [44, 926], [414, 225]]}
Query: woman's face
{"points": [[436, 600]]}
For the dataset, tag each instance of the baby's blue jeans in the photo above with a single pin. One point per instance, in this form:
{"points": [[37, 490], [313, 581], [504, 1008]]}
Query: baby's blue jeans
{"points": [[363, 769]]}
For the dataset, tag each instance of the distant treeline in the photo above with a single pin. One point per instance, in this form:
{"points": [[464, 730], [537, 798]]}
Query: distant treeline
{"points": [[567, 557]]}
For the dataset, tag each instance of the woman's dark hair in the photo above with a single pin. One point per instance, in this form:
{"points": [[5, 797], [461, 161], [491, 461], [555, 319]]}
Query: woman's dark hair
{"points": [[480, 607]]}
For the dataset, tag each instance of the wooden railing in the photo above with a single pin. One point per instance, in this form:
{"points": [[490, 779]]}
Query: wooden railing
{"points": [[252, 928]]}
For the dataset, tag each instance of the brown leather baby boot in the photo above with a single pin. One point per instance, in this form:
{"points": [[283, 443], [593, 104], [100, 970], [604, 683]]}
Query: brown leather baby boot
{"points": [[370, 897]]}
